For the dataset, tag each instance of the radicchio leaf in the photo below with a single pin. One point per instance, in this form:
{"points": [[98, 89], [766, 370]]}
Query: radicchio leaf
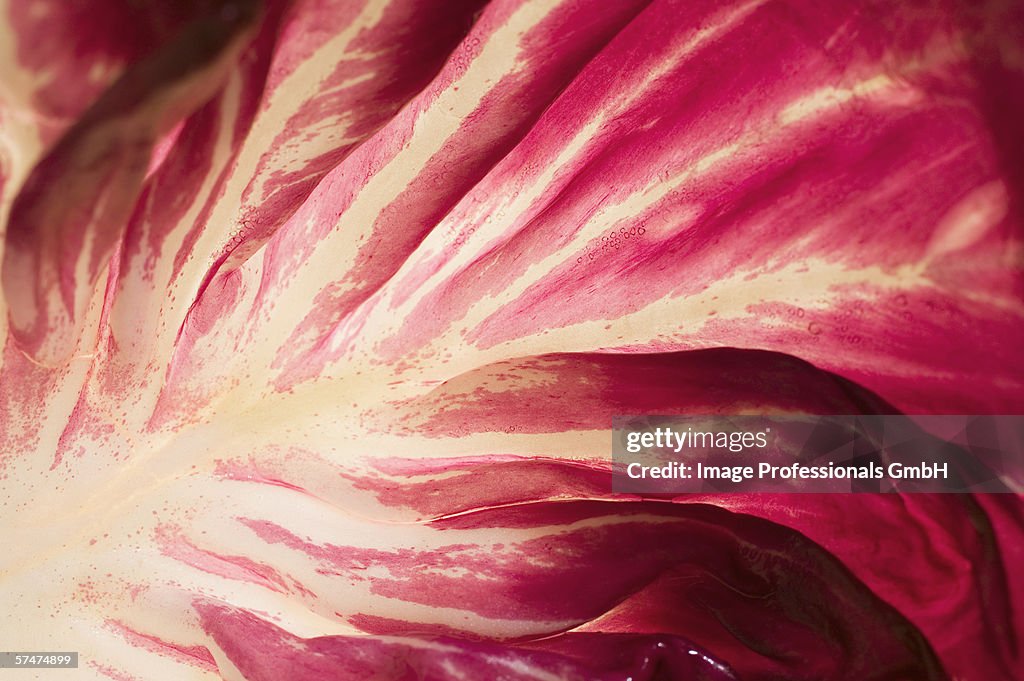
{"points": [[317, 314]]}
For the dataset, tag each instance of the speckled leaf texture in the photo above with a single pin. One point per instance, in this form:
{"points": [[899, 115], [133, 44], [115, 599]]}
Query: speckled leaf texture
{"points": [[316, 314]]}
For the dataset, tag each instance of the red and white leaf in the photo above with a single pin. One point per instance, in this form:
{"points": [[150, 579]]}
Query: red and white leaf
{"points": [[317, 313]]}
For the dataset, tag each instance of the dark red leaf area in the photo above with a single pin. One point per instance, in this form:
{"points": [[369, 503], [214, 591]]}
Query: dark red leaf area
{"points": [[264, 652], [691, 570], [583, 391], [68, 40]]}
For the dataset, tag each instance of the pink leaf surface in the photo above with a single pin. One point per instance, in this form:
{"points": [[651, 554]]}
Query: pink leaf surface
{"points": [[316, 315]]}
